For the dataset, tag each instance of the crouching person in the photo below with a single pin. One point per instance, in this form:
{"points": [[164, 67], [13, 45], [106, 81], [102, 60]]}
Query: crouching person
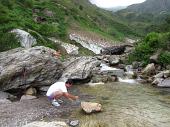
{"points": [[58, 90]]}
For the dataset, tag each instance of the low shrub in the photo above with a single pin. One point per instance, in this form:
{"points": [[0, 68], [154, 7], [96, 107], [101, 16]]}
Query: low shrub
{"points": [[150, 45], [164, 58]]}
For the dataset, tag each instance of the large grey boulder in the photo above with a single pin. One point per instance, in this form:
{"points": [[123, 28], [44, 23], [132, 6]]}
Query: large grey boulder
{"points": [[21, 68], [25, 38], [80, 68]]}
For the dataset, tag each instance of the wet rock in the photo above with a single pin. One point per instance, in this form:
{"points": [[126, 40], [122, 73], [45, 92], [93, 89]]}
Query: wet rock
{"points": [[150, 80], [149, 69], [95, 84], [157, 81], [131, 75], [113, 60], [31, 91], [34, 67], [135, 65], [27, 97], [166, 73], [25, 38], [121, 66], [128, 68], [165, 83], [163, 74], [80, 68], [90, 107], [103, 78], [159, 75], [46, 124], [106, 70], [74, 123]]}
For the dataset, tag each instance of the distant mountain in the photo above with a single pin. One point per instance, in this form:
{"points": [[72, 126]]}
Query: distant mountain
{"points": [[114, 9], [151, 6]]}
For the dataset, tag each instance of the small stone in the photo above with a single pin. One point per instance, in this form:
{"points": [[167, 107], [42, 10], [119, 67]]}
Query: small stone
{"points": [[90, 107], [74, 123], [44, 88], [27, 97], [31, 91]]}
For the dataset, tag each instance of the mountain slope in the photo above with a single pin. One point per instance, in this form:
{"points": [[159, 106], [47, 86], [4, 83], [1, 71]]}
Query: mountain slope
{"points": [[151, 6], [54, 18], [147, 16]]}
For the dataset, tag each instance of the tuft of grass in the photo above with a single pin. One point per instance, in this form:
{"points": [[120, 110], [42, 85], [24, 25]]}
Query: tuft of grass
{"points": [[8, 41]]}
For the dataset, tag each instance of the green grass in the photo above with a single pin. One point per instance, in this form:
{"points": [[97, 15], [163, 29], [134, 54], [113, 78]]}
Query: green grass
{"points": [[19, 14]]}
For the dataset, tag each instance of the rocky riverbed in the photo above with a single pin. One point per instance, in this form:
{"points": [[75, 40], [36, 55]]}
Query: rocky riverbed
{"points": [[19, 113]]}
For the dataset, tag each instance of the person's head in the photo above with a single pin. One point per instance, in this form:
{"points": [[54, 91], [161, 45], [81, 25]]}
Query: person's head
{"points": [[69, 83]]}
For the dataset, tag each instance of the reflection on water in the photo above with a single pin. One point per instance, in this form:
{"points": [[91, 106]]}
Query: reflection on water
{"points": [[127, 106]]}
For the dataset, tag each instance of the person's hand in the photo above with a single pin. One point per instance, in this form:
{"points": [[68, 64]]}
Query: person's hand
{"points": [[76, 97]]}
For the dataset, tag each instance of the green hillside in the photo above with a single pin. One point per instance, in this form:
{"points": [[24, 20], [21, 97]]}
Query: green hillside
{"points": [[54, 18]]}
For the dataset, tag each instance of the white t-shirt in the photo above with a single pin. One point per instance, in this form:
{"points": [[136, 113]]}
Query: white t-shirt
{"points": [[58, 86]]}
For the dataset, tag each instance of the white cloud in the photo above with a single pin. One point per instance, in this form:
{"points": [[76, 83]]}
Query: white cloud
{"points": [[114, 3]]}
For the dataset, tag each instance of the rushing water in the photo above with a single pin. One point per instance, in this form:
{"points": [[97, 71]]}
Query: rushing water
{"points": [[127, 105]]}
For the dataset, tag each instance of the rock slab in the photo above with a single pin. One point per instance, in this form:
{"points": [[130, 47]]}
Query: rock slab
{"points": [[89, 107], [22, 68]]}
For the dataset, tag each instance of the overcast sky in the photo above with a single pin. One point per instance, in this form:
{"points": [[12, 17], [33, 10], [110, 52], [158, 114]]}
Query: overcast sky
{"points": [[114, 3]]}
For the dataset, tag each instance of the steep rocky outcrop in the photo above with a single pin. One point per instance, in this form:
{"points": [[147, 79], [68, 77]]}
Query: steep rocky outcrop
{"points": [[20, 68], [79, 68]]}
